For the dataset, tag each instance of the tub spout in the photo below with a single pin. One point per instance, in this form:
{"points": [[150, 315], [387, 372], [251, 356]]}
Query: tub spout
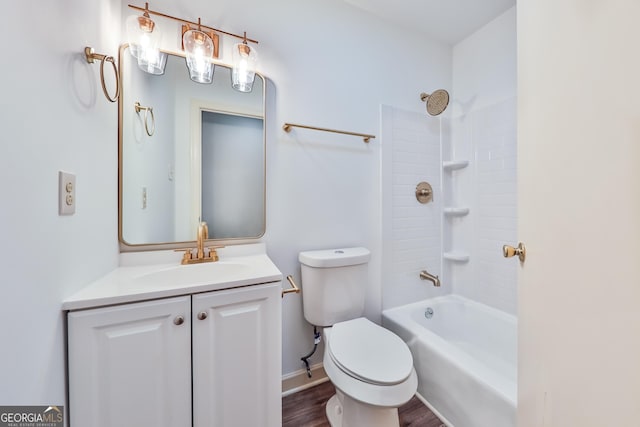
{"points": [[425, 275]]}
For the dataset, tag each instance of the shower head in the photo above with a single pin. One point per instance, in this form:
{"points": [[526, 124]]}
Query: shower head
{"points": [[436, 102]]}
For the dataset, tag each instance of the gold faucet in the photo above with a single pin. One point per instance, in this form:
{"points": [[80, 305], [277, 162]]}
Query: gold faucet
{"points": [[203, 254], [203, 235], [425, 275]]}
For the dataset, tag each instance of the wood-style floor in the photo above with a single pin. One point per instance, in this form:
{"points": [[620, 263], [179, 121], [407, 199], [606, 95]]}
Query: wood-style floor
{"points": [[306, 409]]}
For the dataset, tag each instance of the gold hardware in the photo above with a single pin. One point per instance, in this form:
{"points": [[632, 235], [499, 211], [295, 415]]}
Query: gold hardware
{"points": [[187, 258], [91, 57], [184, 21], [520, 251], [203, 234], [287, 128], [179, 320], [425, 275], [424, 192], [294, 288], [146, 110], [203, 254], [202, 315]]}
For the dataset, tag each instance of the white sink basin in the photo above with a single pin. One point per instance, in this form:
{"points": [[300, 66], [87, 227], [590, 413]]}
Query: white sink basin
{"points": [[150, 275], [194, 274]]}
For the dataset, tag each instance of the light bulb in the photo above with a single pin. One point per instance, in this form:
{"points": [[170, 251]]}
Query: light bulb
{"points": [[245, 59]]}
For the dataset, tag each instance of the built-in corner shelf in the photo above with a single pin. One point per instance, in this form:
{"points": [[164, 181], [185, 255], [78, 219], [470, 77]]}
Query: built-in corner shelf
{"points": [[456, 256], [451, 165], [451, 211]]}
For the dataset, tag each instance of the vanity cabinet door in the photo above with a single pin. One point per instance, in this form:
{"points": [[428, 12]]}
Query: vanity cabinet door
{"points": [[237, 357], [130, 365]]}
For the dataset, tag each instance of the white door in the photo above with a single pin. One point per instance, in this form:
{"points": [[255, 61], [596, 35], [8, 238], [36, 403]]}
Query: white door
{"points": [[236, 357], [130, 365], [579, 213]]}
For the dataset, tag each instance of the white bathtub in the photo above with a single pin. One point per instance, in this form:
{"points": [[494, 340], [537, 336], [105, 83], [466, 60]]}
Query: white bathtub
{"points": [[465, 356]]}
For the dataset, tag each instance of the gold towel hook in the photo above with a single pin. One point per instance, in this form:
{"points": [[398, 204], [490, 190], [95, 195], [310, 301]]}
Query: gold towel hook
{"points": [[91, 57], [147, 110]]}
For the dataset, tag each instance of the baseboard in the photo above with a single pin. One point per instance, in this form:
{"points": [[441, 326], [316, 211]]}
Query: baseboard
{"points": [[299, 380], [434, 410]]}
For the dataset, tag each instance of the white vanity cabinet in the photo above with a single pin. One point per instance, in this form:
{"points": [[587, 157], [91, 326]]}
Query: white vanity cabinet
{"points": [[208, 359], [130, 365], [237, 357]]}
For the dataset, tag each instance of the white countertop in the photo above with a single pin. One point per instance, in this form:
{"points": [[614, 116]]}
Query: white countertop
{"points": [[152, 275]]}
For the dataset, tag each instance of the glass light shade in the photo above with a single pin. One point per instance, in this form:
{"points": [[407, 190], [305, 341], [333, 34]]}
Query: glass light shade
{"points": [[144, 39], [198, 47], [152, 61], [245, 59]]}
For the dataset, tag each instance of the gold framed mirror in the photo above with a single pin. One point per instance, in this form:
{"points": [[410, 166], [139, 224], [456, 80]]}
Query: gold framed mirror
{"points": [[188, 152]]}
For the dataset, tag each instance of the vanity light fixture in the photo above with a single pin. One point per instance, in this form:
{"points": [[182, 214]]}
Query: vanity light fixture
{"points": [[201, 46], [198, 46], [144, 42], [245, 59]]}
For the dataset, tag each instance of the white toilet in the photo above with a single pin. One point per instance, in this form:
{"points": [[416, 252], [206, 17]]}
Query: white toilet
{"points": [[371, 368]]}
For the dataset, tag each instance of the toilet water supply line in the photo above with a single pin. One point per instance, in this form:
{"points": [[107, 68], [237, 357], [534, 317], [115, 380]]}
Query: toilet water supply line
{"points": [[316, 341]]}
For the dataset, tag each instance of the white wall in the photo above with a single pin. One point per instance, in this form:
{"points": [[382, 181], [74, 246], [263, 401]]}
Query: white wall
{"points": [[484, 66], [483, 131], [333, 67], [54, 117]]}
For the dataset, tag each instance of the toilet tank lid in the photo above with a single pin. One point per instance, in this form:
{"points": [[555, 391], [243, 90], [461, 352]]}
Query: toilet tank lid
{"points": [[335, 257]]}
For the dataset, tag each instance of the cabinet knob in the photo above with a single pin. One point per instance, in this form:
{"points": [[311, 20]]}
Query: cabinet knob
{"points": [[202, 315], [179, 320]]}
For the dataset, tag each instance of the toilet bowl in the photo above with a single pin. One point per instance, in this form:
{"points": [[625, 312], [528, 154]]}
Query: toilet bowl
{"points": [[372, 371], [370, 367]]}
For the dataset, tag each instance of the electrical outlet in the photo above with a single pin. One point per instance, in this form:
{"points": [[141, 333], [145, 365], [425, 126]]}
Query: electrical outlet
{"points": [[66, 193]]}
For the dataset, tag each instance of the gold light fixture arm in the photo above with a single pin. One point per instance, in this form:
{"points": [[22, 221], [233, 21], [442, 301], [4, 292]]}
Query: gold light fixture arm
{"points": [[91, 57], [147, 111], [164, 15], [287, 128]]}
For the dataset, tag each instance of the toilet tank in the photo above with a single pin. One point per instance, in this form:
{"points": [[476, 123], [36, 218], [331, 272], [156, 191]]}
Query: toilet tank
{"points": [[333, 284]]}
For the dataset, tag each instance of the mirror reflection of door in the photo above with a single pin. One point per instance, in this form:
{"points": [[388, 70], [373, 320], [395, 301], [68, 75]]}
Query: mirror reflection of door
{"points": [[232, 164]]}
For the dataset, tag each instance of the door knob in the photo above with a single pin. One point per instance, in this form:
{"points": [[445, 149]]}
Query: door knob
{"points": [[202, 315], [520, 251], [179, 320]]}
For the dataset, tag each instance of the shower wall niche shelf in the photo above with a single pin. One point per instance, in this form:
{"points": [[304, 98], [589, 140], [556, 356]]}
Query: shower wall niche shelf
{"points": [[451, 165], [456, 256], [450, 211]]}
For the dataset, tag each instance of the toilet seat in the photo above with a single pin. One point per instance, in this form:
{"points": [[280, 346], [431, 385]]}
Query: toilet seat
{"points": [[370, 353]]}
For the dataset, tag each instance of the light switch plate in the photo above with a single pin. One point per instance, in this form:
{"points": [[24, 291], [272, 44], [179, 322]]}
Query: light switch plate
{"points": [[66, 193]]}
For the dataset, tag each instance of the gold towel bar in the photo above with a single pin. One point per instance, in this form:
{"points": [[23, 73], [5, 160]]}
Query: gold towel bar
{"points": [[287, 128]]}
